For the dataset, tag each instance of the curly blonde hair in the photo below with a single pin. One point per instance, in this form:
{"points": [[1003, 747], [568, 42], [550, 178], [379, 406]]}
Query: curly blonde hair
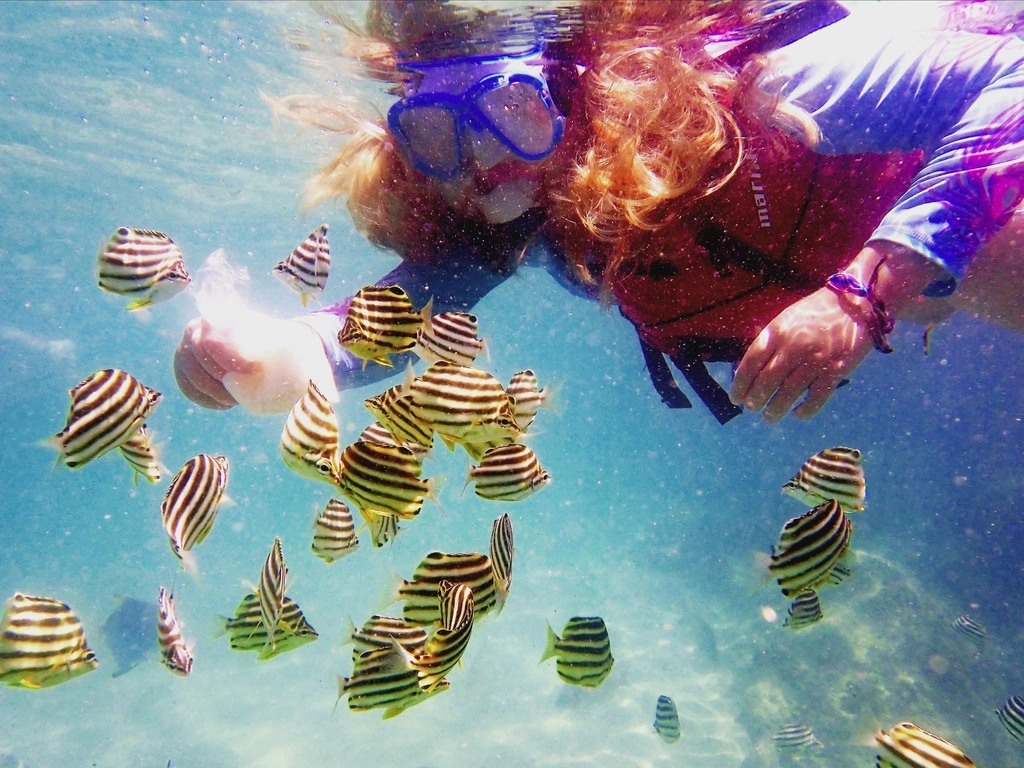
{"points": [[655, 122]]}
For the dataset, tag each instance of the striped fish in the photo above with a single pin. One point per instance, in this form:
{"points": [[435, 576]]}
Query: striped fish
{"points": [[1011, 715], [804, 610], [143, 265], [381, 435], [383, 679], [835, 473], [383, 528], [463, 405], [970, 628], [334, 533], [273, 585], [422, 594], [795, 736], [385, 479], [666, 720], [379, 631], [445, 647], [306, 269], [41, 643], [528, 397], [246, 631], [309, 440], [138, 451], [909, 746], [380, 322], [508, 473], [393, 409], [840, 572], [809, 547], [501, 559], [451, 336], [191, 503], [583, 652], [107, 410], [173, 653]]}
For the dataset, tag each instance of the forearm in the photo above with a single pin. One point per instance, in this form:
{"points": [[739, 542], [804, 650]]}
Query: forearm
{"points": [[902, 273]]}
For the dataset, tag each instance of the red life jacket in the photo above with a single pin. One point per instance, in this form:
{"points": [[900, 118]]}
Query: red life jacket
{"points": [[783, 224]]}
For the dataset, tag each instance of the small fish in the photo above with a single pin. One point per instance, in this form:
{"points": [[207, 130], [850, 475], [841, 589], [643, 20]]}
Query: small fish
{"points": [[840, 572], [835, 473], [463, 405], [140, 455], [501, 559], [804, 610], [173, 653], [129, 632], [380, 322], [422, 594], [107, 410], [524, 389], [809, 547], [445, 646], [970, 628], [795, 736], [144, 265], [383, 528], [383, 679], [508, 473], [666, 720], [246, 631], [309, 440], [273, 585], [191, 504], [334, 533], [393, 409], [451, 336], [381, 435], [909, 746], [583, 652], [379, 631], [41, 643], [385, 479], [306, 269], [1011, 715]]}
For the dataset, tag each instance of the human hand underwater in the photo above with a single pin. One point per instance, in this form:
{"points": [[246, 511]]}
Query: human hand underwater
{"points": [[261, 363]]}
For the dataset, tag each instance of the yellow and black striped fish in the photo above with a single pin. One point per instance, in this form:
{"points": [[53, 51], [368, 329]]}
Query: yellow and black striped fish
{"points": [[451, 336], [666, 720], [306, 269], [334, 532], [138, 451], [909, 746], [381, 435], [508, 473], [525, 391], [273, 585], [309, 440], [246, 631], [385, 479], [1011, 715], [502, 550], [835, 473], [809, 547], [191, 504], [379, 631], [804, 610], [173, 653], [143, 265], [583, 653], [383, 679], [422, 594], [393, 410], [445, 647], [970, 628], [41, 643], [463, 405], [107, 410], [381, 321], [795, 736]]}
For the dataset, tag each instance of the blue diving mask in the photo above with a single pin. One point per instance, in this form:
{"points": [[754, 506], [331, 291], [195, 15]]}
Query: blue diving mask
{"points": [[505, 95]]}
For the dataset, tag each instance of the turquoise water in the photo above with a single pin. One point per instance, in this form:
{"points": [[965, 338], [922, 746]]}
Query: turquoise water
{"points": [[151, 116]]}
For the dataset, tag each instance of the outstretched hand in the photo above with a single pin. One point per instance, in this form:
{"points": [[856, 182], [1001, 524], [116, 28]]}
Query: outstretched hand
{"points": [[809, 347], [203, 356]]}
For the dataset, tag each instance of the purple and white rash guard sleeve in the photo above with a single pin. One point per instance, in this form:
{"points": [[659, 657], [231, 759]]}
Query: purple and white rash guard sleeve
{"points": [[873, 86]]}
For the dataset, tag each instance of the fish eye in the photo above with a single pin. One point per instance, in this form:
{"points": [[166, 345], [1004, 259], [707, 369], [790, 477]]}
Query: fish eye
{"points": [[323, 466], [504, 423]]}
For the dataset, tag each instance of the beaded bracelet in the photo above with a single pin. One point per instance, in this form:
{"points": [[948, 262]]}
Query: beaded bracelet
{"points": [[880, 324]]}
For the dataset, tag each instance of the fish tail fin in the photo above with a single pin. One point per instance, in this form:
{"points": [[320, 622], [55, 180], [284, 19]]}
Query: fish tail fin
{"points": [[762, 565], [866, 729], [188, 562], [469, 477], [348, 629], [223, 627], [389, 593], [485, 350], [427, 314], [549, 648], [342, 690], [434, 486], [551, 399]]}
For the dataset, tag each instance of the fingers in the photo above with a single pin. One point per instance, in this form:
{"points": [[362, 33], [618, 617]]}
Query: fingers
{"points": [[820, 393], [197, 374], [220, 353], [788, 392], [750, 368]]}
